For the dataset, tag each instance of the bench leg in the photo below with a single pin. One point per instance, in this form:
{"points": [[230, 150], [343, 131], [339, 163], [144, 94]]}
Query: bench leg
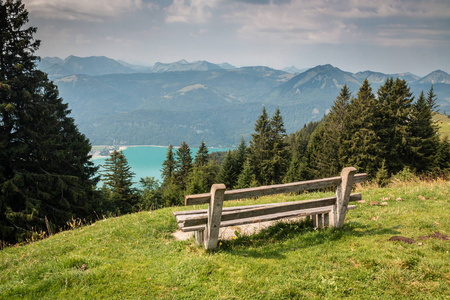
{"points": [[343, 196], [199, 236], [319, 221], [326, 220], [214, 216]]}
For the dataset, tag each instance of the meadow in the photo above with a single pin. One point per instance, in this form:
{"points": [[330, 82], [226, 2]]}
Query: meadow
{"points": [[135, 256]]}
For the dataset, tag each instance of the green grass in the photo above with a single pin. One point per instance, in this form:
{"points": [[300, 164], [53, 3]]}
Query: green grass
{"points": [[444, 124], [135, 256]]}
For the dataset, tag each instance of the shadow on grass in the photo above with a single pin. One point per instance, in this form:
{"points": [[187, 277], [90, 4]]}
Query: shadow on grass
{"points": [[268, 243]]}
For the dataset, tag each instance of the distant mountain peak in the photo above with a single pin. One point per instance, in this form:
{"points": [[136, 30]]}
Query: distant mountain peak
{"points": [[435, 77]]}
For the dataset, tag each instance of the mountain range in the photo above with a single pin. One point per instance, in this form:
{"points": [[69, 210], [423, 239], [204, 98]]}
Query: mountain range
{"points": [[118, 103]]}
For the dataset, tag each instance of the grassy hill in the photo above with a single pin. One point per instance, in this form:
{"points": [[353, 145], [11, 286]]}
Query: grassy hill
{"points": [[135, 256], [444, 124]]}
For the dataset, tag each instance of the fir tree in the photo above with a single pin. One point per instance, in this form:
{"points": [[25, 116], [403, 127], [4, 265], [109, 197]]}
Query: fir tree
{"points": [[45, 167], [360, 141], [260, 149], [395, 104], [246, 179], [183, 165], [168, 167], [424, 141], [240, 156], [329, 150], [227, 173], [202, 157], [118, 179], [279, 154]]}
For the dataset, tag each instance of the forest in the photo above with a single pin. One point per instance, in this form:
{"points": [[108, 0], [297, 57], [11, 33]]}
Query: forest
{"points": [[47, 178]]}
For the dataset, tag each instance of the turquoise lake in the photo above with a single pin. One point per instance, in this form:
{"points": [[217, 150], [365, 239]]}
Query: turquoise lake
{"points": [[146, 161]]}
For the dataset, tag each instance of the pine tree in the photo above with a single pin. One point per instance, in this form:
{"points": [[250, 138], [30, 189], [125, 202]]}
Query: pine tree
{"points": [[260, 149], [279, 154], [118, 179], [360, 143], [424, 141], [169, 165], [183, 165], [45, 167], [202, 157], [395, 104], [227, 173], [329, 150], [240, 156], [246, 179]]}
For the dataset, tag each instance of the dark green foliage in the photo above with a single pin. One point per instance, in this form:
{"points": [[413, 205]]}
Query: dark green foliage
{"points": [[329, 141], [382, 176], [360, 141], [423, 131], [118, 180], [260, 148], [442, 158], [202, 178], [395, 105], [202, 157], [168, 166], [269, 154], [183, 165], [45, 171], [246, 179], [150, 197], [227, 174], [279, 154]]}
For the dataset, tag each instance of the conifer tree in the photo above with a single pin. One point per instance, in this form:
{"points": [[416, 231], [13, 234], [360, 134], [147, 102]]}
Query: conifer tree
{"points": [[260, 149], [424, 141], [279, 154], [169, 165], [246, 179], [329, 149], [202, 157], [227, 173], [183, 165], [395, 104], [45, 167], [240, 156], [118, 179], [360, 141]]}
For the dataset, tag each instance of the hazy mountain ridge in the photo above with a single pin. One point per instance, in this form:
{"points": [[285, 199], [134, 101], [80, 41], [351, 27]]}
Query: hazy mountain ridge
{"points": [[208, 103]]}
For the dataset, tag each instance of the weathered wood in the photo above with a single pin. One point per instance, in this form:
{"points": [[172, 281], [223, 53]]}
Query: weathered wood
{"points": [[273, 189], [181, 216], [343, 196], [214, 216], [200, 236], [266, 218], [265, 210]]}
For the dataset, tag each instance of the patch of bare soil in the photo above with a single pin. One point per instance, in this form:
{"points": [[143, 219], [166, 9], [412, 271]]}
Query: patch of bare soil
{"points": [[402, 239], [435, 235]]}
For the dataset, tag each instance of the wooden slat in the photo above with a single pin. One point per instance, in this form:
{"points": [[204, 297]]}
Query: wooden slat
{"points": [[273, 189], [266, 218], [182, 215], [261, 211]]}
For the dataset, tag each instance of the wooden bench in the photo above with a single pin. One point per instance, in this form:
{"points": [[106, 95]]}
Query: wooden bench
{"points": [[324, 212]]}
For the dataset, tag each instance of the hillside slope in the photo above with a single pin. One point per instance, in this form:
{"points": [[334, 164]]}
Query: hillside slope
{"points": [[135, 256]]}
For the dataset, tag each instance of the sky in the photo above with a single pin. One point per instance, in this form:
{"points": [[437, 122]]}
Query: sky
{"points": [[388, 36]]}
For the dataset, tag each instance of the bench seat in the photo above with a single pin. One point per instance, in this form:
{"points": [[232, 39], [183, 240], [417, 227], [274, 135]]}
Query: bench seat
{"points": [[195, 220]]}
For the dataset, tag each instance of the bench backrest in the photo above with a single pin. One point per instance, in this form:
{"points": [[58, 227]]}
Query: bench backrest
{"points": [[273, 189]]}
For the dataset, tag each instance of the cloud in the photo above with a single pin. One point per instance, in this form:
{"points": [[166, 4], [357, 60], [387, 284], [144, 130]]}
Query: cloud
{"points": [[85, 10], [190, 11], [337, 22]]}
